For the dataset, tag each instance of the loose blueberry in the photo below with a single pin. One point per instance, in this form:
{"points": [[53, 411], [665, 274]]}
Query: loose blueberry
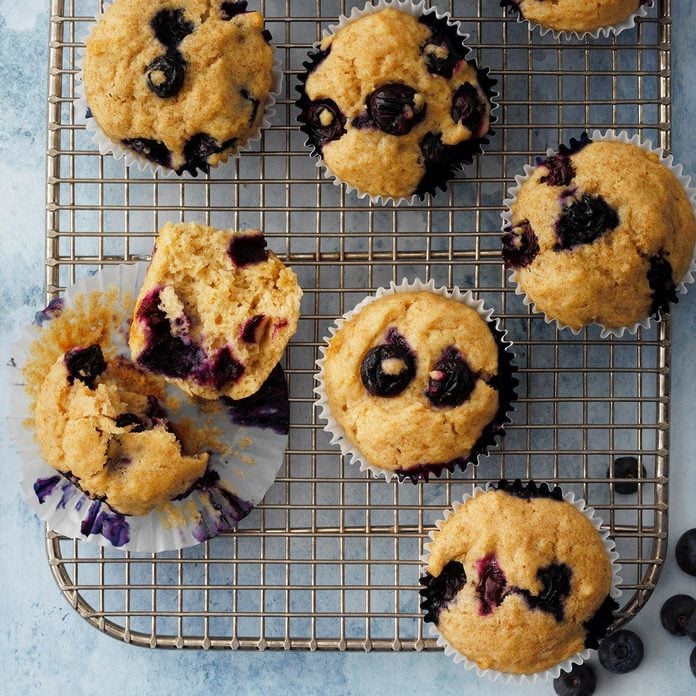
{"points": [[199, 148], [469, 108], [691, 627], [555, 588], [395, 108], [676, 612], [584, 221], [686, 552], [692, 662], [662, 284], [325, 122], [580, 681], [439, 591], [627, 467], [247, 249], [492, 587], [85, 364], [166, 74], [621, 652], [443, 51], [388, 369], [520, 245], [154, 150], [126, 420], [451, 380], [232, 9], [170, 27]]}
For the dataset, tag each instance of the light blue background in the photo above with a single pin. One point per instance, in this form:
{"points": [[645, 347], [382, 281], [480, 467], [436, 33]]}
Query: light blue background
{"points": [[46, 648]]}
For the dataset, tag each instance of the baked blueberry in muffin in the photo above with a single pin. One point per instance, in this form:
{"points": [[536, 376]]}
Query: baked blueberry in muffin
{"points": [[181, 83], [392, 104], [518, 580], [600, 232]]}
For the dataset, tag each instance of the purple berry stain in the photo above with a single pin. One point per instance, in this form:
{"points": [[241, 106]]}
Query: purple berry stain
{"points": [[85, 364], [555, 588], [440, 591], [520, 245], [247, 249], [44, 487], [253, 329], [111, 525], [584, 221], [154, 150], [492, 585], [323, 119], [170, 27]]}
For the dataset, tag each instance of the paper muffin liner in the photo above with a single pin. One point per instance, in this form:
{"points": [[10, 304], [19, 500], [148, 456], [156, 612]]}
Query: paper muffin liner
{"points": [[254, 432], [489, 439], [608, 136], [107, 146], [606, 31], [615, 592], [416, 9]]}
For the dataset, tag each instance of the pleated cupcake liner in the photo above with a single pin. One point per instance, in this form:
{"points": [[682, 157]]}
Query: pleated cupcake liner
{"points": [[494, 431], [563, 666], [253, 433], [666, 160], [416, 9]]}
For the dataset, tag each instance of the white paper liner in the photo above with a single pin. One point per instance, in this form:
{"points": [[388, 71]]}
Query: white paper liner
{"points": [[246, 471], [107, 146], [613, 30], [566, 665], [611, 136], [416, 9], [338, 436]]}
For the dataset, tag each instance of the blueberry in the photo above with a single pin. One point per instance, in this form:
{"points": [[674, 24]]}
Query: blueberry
{"points": [[580, 681], [126, 420], [443, 51], [225, 368], [676, 612], [662, 284], [199, 148], [627, 467], [166, 74], [686, 552], [170, 27], [232, 9], [691, 627], [584, 221], [439, 591], [555, 588], [395, 108], [325, 121], [451, 380], [492, 587], [154, 150], [247, 249], [520, 245], [598, 624], [388, 369], [692, 662], [249, 332], [561, 171], [621, 652], [469, 108], [85, 364], [255, 103]]}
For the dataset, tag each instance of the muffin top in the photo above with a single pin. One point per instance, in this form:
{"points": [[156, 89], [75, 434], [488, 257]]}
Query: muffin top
{"points": [[518, 580], [215, 312], [601, 232], [413, 380], [103, 424], [180, 82], [576, 15], [393, 105]]}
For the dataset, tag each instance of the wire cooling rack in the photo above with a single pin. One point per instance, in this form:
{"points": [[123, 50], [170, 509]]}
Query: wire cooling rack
{"points": [[330, 559]]}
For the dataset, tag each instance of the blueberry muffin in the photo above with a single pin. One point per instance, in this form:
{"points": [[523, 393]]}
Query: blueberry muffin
{"points": [[215, 312], [575, 15], [102, 424], [182, 83], [518, 580], [600, 232], [392, 104], [418, 383]]}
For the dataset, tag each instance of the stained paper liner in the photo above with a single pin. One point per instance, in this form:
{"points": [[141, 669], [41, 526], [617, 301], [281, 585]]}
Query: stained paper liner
{"points": [[609, 136], [107, 146], [416, 9], [254, 432], [613, 30], [489, 439], [566, 665]]}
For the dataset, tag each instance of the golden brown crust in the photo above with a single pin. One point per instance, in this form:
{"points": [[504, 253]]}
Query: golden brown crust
{"points": [[578, 15]]}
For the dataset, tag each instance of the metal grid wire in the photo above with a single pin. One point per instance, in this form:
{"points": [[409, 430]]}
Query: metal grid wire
{"points": [[330, 559]]}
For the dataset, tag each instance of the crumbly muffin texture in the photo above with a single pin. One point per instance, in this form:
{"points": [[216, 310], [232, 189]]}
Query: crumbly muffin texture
{"points": [[180, 82], [215, 312], [576, 15], [517, 584], [103, 424], [601, 232], [412, 381], [392, 104]]}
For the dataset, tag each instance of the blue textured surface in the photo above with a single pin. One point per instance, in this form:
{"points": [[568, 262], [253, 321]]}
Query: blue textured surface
{"points": [[45, 647]]}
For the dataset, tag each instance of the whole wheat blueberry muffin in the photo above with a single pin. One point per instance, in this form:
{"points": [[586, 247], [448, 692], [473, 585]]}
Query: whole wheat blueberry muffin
{"points": [[182, 83], [215, 312], [392, 104], [575, 15], [518, 580], [600, 232], [103, 424], [418, 383]]}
